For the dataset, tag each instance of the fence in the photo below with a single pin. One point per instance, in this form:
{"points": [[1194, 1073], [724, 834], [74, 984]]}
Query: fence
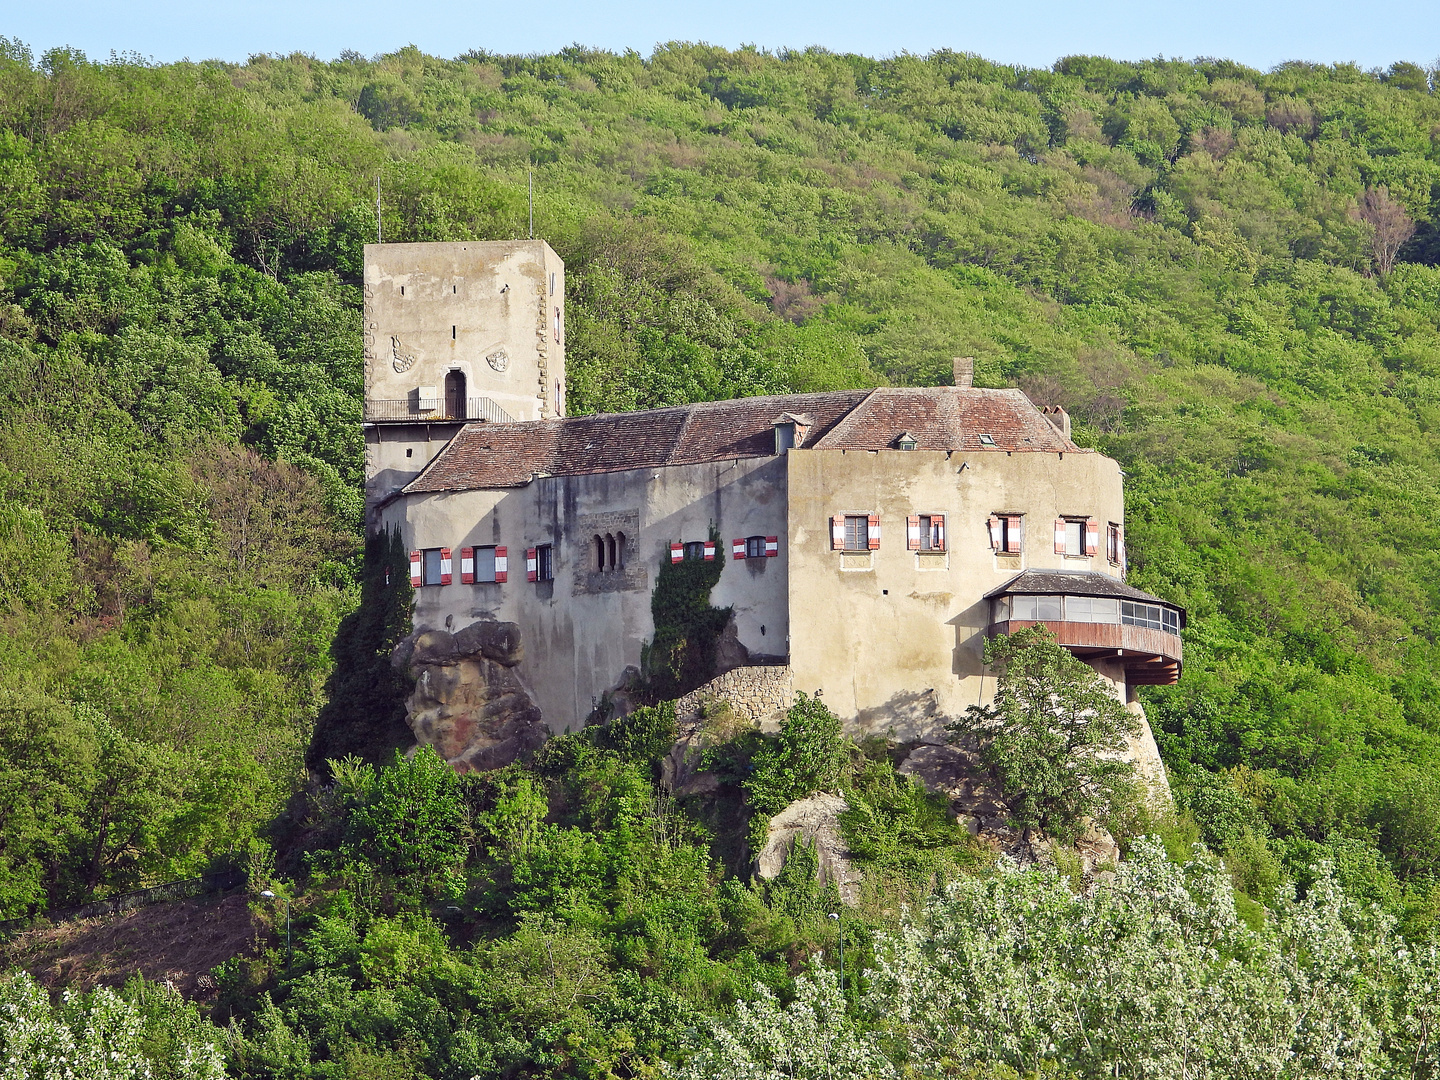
{"points": [[223, 881]]}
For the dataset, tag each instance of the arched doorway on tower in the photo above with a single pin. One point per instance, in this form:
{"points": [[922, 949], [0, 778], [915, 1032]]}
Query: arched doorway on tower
{"points": [[455, 395]]}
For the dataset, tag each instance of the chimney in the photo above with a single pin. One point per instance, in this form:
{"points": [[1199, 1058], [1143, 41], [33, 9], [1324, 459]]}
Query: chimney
{"points": [[965, 371], [1058, 417]]}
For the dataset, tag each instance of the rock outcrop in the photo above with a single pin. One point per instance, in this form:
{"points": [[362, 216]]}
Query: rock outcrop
{"points": [[468, 702], [956, 773], [816, 820]]}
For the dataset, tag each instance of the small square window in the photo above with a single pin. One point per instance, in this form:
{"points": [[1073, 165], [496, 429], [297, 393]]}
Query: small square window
{"points": [[987, 440], [544, 563], [695, 549], [932, 532], [755, 547]]}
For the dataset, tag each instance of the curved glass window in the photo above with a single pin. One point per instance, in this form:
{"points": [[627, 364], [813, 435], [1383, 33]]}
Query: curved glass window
{"points": [[1087, 609]]}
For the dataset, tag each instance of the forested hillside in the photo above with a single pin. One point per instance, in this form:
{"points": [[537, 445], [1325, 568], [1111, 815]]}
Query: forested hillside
{"points": [[1227, 276]]}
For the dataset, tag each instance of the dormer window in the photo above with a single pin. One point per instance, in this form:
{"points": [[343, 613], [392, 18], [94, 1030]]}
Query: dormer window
{"points": [[987, 440], [905, 441], [790, 430]]}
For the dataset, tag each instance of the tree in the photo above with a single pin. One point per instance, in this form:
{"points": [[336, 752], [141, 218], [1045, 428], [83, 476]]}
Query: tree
{"points": [[1390, 226], [1053, 734]]}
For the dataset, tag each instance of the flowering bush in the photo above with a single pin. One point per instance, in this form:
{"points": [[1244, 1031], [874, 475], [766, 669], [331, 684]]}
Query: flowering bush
{"points": [[101, 1035]]}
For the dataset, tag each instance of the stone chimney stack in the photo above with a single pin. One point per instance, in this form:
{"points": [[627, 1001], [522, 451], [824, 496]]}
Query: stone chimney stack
{"points": [[965, 371]]}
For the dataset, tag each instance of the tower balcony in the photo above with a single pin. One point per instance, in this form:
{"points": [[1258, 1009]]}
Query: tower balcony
{"points": [[1095, 616], [417, 410]]}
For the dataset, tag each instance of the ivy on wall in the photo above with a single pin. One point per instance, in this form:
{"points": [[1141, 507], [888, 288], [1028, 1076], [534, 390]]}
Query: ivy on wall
{"points": [[681, 655]]}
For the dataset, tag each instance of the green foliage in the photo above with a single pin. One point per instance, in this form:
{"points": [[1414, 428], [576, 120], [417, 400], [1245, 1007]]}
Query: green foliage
{"points": [[643, 735], [809, 754], [680, 656], [1052, 735], [410, 819]]}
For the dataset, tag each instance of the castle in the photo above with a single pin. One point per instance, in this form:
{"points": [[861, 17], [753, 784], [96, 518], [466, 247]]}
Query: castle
{"points": [[870, 539]]}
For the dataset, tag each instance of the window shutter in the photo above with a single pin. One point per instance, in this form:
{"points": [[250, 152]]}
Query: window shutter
{"points": [[874, 530], [996, 533], [467, 566], [1060, 536], [912, 532], [416, 577], [737, 549], [1092, 536], [502, 564], [837, 533], [772, 546], [677, 552], [530, 571], [1120, 546], [709, 550], [1012, 539], [445, 566], [937, 522]]}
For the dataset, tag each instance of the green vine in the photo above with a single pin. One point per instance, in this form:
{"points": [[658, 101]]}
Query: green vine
{"points": [[681, 655]]}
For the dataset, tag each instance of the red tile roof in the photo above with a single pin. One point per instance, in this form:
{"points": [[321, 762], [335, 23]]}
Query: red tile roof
{"points": [[941, 418]]}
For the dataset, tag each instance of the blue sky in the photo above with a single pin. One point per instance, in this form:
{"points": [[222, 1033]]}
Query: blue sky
{"points": [[1261, 33]]}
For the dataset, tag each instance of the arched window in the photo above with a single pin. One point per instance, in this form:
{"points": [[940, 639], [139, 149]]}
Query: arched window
{"points": [[610, 551], [619, 551], [599, 552]]}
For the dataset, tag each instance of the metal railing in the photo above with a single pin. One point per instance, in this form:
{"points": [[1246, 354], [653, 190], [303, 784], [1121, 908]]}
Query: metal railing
{"points": [[418, 410]]}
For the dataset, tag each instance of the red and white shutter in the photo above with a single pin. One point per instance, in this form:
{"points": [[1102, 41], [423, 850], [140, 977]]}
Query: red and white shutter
{"points": [[837, 533], [1060, 536], [737, 549], [1012, 536], [937, 526], [1120, 547], [417, 577], [1092, 536], [445, 566], [997, 534], [874, 532], [502, 564], [467, 566], [677, 552], [709, 550], [912, 532], [531, 574], [772, 546]]}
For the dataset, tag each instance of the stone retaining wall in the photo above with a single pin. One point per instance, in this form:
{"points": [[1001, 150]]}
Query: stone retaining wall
{"points": [[758, 693]]}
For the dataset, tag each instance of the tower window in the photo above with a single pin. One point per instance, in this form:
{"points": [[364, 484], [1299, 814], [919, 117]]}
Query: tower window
{"points": [[452, 333], [409, 451]]}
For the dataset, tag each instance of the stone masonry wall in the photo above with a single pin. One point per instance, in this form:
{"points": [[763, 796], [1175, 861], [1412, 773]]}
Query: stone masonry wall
{"points": [[758, 693]]}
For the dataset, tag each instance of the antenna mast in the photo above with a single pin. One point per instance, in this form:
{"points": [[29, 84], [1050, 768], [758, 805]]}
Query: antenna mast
{"points": [[379, 238], [532, 204]]}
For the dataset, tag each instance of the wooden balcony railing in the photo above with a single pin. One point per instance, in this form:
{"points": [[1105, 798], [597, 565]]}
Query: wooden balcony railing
{"points": [[1151, 657]]}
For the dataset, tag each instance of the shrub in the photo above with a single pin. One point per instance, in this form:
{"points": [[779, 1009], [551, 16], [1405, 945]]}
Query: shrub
{"points": [[412, 820]]}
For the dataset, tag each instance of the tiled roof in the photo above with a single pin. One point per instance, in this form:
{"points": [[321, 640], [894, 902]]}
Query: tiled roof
{"points": [[1074, 583], [941, 418]]}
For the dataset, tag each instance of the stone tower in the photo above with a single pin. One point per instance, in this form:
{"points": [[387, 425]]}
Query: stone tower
{"points": [[456, 333]]}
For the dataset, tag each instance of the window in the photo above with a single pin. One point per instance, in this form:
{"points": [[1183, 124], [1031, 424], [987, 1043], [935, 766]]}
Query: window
{"points": [[1114, 544], [932, 532], [484, 564], [1074, 537], [544, 563], [755, 547], [906, 442], [1094, 609], [609, 551], [1005, 533], [432, 566], [552, 283], [694, 549], [1150, 616], [784, 437], [857, 532], [987, 440]]}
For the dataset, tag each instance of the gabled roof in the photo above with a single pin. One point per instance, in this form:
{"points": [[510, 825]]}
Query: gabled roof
{"points": [[1075, 583], [488, 455]]}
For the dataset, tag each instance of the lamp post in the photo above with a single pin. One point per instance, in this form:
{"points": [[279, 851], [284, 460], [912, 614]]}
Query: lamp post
{"points": [[269, 895], [840, 926]]}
